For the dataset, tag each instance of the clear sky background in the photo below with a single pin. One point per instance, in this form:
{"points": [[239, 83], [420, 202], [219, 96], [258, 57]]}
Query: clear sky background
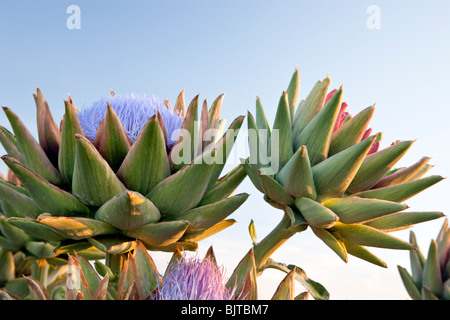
{"points": [[243, 49]]}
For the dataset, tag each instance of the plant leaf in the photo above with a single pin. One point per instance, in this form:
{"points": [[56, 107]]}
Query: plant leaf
{"points": [[94, 182], [146, 164]]}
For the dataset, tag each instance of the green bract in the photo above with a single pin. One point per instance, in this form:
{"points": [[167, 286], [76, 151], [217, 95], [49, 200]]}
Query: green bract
{"points": [[430, 278], [25, 253], [107, 193], [329, 175]]}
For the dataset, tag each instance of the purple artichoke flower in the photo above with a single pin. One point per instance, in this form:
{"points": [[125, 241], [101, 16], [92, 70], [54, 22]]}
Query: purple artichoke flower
{"points": [[193, 279], [133, 113]]}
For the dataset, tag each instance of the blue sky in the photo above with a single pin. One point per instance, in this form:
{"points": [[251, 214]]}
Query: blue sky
{"points": [[243, 49]]}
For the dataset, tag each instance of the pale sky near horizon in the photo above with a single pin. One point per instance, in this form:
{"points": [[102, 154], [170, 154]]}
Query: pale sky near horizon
{"points": [[243, 49]]}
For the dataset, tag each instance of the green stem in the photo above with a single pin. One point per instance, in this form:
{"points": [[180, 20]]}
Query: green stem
{"points": [[282, 232]]}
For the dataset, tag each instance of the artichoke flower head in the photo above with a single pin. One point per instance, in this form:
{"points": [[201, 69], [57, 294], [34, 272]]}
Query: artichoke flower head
{"points": [[110, 174], [191, 278], [133, 112]]}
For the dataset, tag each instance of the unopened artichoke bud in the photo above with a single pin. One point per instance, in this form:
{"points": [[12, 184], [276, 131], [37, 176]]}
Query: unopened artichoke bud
{"points": [[332, 173], [430, 276]]}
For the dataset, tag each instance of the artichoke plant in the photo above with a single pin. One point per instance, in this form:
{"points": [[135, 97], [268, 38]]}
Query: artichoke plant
{"points": [[22, 254], [125, 168], [430, 278], [323, 167], [136, 281], [185, 278]]}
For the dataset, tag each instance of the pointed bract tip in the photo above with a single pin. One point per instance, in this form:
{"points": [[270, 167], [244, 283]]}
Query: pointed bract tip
{"points": [[303, 150], [134, 198], [79, 136]]}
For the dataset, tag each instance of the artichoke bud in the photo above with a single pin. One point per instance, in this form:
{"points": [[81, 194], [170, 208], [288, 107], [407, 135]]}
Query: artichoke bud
{"points": [[108, 175], [430, 275], [333, 173]]}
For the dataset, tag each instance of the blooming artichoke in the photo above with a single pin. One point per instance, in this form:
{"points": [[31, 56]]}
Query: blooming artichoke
{"points": [[323, 167], [189, 278], [126, 168], [430, 279], [185, 278]]}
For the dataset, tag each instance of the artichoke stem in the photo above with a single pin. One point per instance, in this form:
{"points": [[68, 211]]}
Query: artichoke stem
{"points": [[115, 262], [39, 271], [279, 235]]}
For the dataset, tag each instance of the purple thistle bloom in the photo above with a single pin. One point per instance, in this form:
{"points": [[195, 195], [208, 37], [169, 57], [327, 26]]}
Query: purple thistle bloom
{"points": [[133, 113], [192, 279]]}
